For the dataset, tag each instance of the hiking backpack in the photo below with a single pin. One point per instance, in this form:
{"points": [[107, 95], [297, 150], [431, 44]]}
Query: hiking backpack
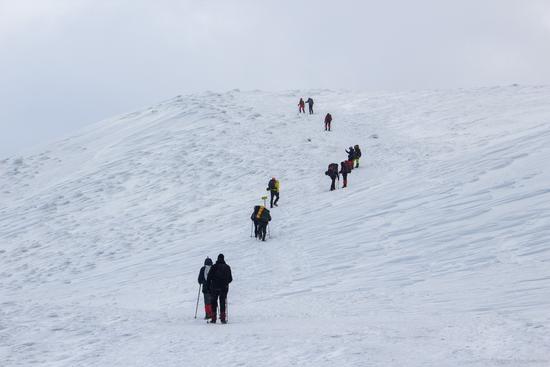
{"points": [[345, 167]]}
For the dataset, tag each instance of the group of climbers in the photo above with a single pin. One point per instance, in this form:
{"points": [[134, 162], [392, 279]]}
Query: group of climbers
{"points": [[302, 109], [260, 215], [354, 153], [302, 105], [215, 279]]}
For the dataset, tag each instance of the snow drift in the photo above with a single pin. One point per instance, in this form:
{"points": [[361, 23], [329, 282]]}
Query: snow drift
{"points": [[437, 254]]}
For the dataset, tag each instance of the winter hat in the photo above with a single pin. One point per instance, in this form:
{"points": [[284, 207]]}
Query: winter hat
{"points": [[208, 261], [220, 257]]}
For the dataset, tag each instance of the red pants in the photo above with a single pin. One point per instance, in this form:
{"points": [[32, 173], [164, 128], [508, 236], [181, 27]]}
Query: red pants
{"points": [[208, 305], [302, 109]]}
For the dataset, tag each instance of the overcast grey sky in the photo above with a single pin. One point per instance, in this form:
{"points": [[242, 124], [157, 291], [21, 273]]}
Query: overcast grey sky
{"points": [[66, 63]]}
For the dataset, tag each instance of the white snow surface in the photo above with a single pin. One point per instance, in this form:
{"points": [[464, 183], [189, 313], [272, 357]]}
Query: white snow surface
{"points": [[437, 254]]}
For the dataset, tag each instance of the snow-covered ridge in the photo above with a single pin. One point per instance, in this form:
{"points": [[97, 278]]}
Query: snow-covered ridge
{"points": [[437, 254]]}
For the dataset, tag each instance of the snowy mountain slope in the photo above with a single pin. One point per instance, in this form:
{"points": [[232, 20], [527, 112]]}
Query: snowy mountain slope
{"points": [[437, 253]]}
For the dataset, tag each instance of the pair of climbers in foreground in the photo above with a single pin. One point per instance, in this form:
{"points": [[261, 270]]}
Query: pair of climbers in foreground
{"points": [[301, 105], [215, 280], [354, 153]]}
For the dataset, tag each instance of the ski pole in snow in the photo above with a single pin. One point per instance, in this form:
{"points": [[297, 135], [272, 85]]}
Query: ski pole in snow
{"points": [[269, 231], [251, 229], [198, 296], [226, 310]]}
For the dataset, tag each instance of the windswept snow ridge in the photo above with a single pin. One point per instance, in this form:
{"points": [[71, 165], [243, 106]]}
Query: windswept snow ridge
{"points": [[437, 254]]}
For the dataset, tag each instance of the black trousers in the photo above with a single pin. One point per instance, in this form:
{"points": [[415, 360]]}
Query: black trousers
{"points": [[262, 230], [274, 194], [256, 228], [333, 184], [311, 109], [222, 296]]}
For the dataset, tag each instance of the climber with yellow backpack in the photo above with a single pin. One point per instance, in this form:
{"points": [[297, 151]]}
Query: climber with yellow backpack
{"points": [[274, 187], [261, 217]]}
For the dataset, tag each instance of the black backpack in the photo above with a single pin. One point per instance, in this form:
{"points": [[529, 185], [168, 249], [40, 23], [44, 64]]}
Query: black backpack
{"points": [[332, 170]]}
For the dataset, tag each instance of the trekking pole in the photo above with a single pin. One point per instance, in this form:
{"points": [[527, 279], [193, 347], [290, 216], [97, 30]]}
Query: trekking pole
{"points": [[251, 228], [264, 198], [269, 231], [198, 296], [226, 310]]}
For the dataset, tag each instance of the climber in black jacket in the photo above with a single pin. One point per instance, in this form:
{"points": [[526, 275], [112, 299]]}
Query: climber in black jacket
{"points": [[332, 172], [351, 154], [218, 281]]}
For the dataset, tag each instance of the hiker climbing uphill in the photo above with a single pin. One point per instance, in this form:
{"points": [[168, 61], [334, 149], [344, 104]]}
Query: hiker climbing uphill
{"points": [[328, 121], [351, 159], [310, 105], [273, 186], [218, 281], [203, 275], [301, 106], [357, 151], [261, 218], [344, 170], [351, 154], [332, 172], [255, 220]]}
